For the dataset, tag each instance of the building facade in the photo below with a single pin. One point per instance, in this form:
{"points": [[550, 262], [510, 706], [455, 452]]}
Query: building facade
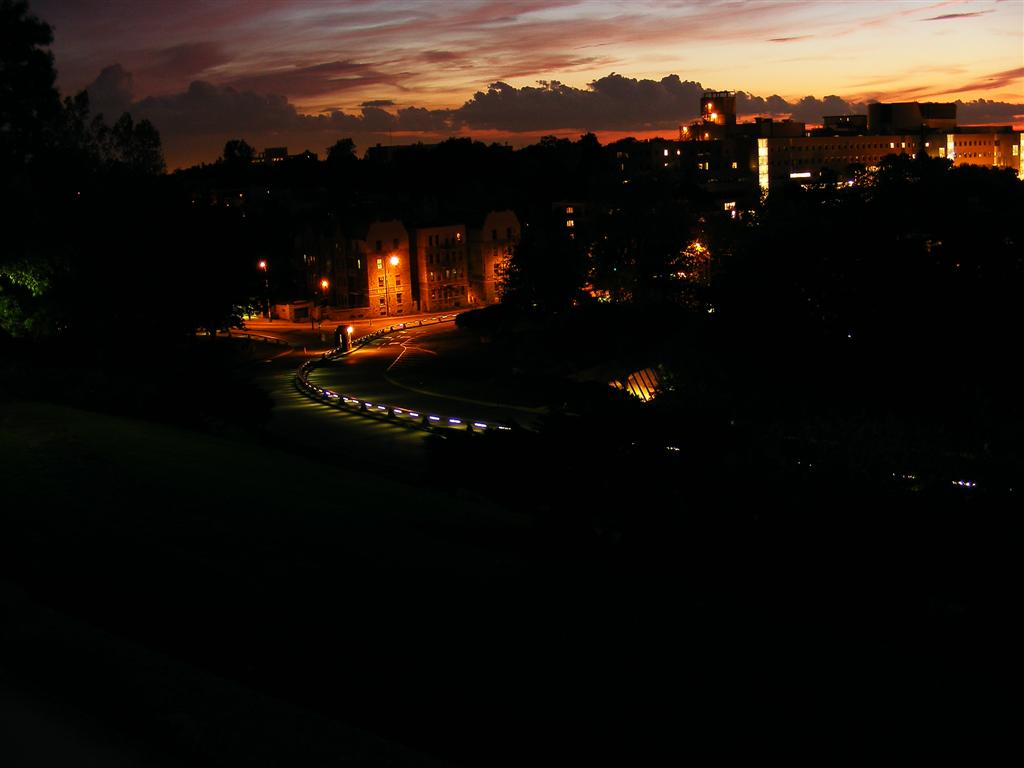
{"points": [[490, 249], [389, 269], [442, 265]]}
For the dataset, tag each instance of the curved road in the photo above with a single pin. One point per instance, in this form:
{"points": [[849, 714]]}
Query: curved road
{"points": [[407, 369]]}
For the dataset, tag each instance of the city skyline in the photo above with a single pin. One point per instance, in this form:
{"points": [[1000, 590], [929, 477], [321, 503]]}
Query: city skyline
{"points": [[304, 75]]}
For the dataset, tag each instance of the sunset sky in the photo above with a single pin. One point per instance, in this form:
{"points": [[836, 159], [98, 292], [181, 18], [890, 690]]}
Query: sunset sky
{"points": [[307, 73]]}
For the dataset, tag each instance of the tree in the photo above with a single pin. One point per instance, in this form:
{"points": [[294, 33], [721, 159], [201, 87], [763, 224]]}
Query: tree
{"points": [[29, 103], [341, 153], [237, 152], [136, 146], [29, 114]]}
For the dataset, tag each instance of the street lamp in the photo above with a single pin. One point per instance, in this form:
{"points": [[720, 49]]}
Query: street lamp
{"points": [[314, 316], [263, 266], [394, 261]]}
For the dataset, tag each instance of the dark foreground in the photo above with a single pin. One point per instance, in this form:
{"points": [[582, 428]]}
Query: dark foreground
{"points": [[173, 597]]}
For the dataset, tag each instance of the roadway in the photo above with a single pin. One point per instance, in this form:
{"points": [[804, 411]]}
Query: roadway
{"points": [[409, 368], [390, 369]]}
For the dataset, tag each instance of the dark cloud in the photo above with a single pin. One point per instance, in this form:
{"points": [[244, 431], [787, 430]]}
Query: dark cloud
{"points": [[995, 80], [110, 93], [438, 57], [613, 102], [789, 39], [947, 16], [428, 120], [982, 111], [196, 123], [206, 108], [316, 80], [184, 62]]}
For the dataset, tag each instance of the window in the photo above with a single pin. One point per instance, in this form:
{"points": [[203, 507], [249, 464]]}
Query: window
{"points": [[378, 246], [381, 301], [458, 237], [734, 165], [380, 262], [398, 297], [666, 153], [494, 234], [568, 209], [380, 282], [398, 279], [570, 223]]}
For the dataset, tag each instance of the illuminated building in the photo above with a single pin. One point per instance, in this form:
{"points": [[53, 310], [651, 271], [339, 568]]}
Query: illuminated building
{"points": [[490, 248], [389, 269], [442, 264], [716, 151]]}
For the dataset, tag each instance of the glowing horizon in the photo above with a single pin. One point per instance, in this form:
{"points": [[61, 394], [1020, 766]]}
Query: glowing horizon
{"points": [[423, 57]]}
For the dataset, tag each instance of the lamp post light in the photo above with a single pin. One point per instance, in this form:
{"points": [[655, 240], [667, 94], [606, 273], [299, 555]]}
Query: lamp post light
{"points": [[394, 261], [263, 267], [314, 315]]}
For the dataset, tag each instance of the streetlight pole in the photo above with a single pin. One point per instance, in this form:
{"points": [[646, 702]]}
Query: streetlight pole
{"points": [[314, 320], [263, 266], [394, 261]]}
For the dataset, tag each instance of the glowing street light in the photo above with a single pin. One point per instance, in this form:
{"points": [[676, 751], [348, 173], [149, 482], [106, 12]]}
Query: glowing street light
{"points": [[263, 267], [394, 262]]}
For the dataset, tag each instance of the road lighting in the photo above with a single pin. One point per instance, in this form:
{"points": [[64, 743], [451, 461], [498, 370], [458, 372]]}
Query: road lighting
{"points": [[394, 261], [263, 266], [314, 316]]}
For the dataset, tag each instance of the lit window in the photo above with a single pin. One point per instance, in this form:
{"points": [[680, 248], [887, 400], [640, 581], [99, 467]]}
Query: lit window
{"points": [[568, 209], [666, 153], [734, 165], [892, 145], [458, 237], [729, 206], [570, 223], [679, 152], [380, 262]]}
